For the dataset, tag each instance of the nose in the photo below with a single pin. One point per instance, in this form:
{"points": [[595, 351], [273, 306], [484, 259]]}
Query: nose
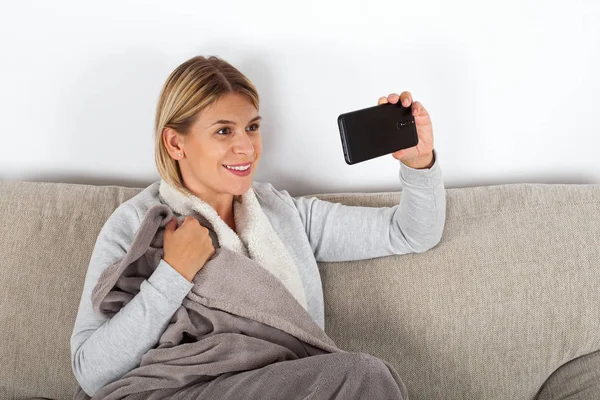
{"points": [[243, 144]]}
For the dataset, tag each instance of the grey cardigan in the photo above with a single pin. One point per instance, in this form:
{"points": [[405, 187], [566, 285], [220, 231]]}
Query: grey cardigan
{"points": [[103, 350]]}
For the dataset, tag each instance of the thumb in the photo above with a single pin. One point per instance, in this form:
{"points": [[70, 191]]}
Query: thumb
{"points": [[399, 154], [170, 227]]}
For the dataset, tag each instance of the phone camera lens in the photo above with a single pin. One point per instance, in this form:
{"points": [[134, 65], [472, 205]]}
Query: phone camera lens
{"points": [[401, 124]]}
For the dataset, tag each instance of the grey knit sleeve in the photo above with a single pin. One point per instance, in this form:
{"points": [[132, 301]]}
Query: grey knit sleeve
{"points": [[103, 349], [338, 232]]}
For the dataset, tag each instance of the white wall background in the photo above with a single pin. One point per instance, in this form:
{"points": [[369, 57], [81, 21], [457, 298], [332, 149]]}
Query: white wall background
{"points": [[512, 86]]}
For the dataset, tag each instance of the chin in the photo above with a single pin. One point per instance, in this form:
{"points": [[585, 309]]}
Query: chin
{"points": [[237, 185], [241, 187]]}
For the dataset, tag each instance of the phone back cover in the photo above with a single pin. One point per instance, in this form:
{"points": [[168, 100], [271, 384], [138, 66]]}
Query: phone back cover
{"points": [[375, 131]]}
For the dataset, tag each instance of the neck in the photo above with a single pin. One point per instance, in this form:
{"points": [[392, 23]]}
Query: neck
{"points": [[222, 203], [227, 217]]}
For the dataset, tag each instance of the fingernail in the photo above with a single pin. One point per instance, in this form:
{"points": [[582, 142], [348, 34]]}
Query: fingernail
{"points": [[406, 103]]}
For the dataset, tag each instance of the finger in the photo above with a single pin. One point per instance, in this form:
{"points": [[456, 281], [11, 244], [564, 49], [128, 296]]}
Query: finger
{"points": [[418, 109], [382, 100], [393, 98], [406, 98]]}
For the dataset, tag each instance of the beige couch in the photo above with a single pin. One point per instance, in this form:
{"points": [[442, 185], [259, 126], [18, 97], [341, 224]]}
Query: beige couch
{"points": [[511, 293]]}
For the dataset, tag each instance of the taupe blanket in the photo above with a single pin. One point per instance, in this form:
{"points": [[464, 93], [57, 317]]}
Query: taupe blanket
{"points": [[237, 317]]}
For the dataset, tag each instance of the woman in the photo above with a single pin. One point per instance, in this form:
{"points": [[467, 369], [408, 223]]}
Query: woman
{"points": [[208, 146]]}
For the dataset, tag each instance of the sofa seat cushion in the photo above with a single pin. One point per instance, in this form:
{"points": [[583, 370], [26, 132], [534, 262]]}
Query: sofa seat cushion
{"points": [[579, 379]]}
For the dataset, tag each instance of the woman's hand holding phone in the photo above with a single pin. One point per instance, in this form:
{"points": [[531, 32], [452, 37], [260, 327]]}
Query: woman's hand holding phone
{"points": [[421, 155]]}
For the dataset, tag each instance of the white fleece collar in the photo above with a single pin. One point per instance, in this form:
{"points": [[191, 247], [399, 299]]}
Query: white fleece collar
{"points": [[257, 239]]}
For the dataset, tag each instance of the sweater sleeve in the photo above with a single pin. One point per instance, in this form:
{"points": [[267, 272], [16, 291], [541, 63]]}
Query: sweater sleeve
{"points": [[104, 349], [338, 232]]}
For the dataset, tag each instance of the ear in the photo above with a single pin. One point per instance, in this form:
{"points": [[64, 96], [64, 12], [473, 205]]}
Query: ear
{"points": [[173, 141]]}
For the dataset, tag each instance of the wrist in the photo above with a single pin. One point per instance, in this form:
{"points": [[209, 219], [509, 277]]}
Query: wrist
{"points": [[422, 162], [181, 272]]}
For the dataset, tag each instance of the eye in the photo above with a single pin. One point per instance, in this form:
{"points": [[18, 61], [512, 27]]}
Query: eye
{"points": [[223, 129], [256, 126]]}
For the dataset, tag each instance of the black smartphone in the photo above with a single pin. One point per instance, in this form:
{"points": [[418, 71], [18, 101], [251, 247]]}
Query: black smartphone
{"points": [[376, 131]]}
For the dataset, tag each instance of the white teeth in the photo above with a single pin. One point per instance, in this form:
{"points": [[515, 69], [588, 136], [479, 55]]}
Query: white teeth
{"points": [[239, 168]]}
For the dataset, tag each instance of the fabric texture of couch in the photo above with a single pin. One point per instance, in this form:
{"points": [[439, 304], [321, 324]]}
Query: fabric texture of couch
{"points": [[506, 306]]}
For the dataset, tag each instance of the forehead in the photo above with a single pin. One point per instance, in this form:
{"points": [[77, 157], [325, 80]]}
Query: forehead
{"points": [[232, 106]]}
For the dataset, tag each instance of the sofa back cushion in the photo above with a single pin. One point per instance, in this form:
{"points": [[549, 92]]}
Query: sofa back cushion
{"points": [[511, 293], [47, 236]]}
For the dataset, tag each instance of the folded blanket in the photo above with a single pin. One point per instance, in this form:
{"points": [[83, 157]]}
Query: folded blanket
{"points": [[237, 317]]}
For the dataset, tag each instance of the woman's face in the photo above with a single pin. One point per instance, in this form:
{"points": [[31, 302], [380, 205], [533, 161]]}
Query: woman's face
{"points": [[225, 134]]}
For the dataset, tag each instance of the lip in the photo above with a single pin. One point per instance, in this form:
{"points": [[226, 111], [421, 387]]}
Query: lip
{"points": [[238, 165], [239, 173]]}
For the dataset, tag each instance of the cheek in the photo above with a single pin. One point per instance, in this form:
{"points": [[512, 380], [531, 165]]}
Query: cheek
{"points": [[257, 146], [215, 152]]}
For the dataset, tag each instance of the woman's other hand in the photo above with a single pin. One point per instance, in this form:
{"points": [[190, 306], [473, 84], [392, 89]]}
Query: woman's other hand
{"points": [[187, 247]]}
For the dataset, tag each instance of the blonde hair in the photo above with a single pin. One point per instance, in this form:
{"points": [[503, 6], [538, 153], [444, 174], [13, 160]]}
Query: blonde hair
{"points": [[191, 87]]}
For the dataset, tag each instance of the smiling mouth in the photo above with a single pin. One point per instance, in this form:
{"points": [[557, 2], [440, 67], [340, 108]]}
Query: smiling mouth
{"points": [[239, 172], [238, 168]]}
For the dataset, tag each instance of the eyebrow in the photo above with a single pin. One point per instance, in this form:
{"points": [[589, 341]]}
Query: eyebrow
{"points": [[225, 121]]}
